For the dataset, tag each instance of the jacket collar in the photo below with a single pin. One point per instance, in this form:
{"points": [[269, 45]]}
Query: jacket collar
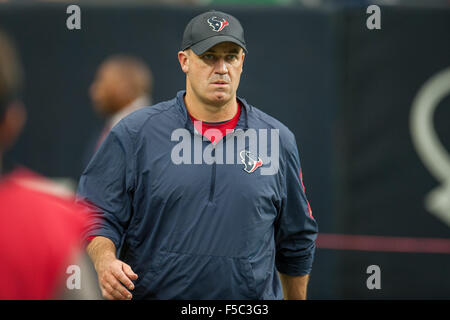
{"points": [[241, 124]]}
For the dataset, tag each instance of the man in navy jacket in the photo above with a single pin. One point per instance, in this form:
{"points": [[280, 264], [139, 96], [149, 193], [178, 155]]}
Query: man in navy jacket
{"points": [[203, 194]]}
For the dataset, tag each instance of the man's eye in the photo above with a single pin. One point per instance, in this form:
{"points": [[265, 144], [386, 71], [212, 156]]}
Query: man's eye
{"points": [[208, 56], [231, 57]]}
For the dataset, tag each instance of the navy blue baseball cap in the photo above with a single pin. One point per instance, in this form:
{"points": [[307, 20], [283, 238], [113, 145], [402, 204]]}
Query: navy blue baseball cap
{"points": [[210, 28]]}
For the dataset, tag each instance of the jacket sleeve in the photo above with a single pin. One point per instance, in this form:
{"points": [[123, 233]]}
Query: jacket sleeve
{"points": [[106, 186], [295, 227]]}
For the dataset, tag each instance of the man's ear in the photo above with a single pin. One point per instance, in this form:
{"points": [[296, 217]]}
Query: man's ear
{"points": [[12, 124], [183, 58]]}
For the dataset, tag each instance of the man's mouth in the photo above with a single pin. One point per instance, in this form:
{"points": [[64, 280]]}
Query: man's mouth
{"points": [[220, 82]]}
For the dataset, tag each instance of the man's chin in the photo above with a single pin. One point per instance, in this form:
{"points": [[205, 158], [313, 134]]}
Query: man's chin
{"points": [[105, 110], [220, 98]]}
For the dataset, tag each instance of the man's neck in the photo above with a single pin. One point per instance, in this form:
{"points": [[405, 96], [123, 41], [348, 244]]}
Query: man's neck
{"points": [[209, 113], [134, 105]]}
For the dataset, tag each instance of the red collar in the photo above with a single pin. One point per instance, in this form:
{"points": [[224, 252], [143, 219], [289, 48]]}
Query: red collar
{"points": [[216, 131]]}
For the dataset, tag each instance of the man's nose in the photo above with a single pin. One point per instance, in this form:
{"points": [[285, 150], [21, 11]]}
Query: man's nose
{"points": [[221, 66]]}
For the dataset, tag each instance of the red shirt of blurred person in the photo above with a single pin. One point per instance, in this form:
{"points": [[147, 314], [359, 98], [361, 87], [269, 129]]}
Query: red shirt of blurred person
{"points": [[40, 234]]}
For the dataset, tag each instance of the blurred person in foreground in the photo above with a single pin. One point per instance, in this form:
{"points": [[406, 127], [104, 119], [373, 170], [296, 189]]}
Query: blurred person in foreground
{"points": [[122, 84], [204, 229], [40, 225]]}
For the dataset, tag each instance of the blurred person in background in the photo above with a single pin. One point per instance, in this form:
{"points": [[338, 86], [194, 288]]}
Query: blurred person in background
{"points": [[122, 84], [40, 225]]}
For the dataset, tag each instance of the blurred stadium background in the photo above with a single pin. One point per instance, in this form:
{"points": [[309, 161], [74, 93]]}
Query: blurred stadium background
{"points": [[347, 93]]}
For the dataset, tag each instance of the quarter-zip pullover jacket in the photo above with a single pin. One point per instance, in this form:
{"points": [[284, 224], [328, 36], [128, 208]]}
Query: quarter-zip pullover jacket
{"points": [[197, 220]]}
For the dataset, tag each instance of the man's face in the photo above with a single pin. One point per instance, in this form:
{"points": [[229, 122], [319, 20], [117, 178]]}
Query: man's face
{"points": [[214, 76], [107, 90]]}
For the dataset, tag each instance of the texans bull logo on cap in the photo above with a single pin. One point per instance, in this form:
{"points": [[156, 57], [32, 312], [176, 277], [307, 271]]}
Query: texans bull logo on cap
{"points": [[250, 164], [217, 24]]}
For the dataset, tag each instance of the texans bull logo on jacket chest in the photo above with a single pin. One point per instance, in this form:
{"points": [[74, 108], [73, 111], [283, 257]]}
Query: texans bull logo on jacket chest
{"points": [[249, 162]]}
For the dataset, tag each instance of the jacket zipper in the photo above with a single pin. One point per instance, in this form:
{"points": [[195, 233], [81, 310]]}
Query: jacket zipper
{"points": [[212, 187]]}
